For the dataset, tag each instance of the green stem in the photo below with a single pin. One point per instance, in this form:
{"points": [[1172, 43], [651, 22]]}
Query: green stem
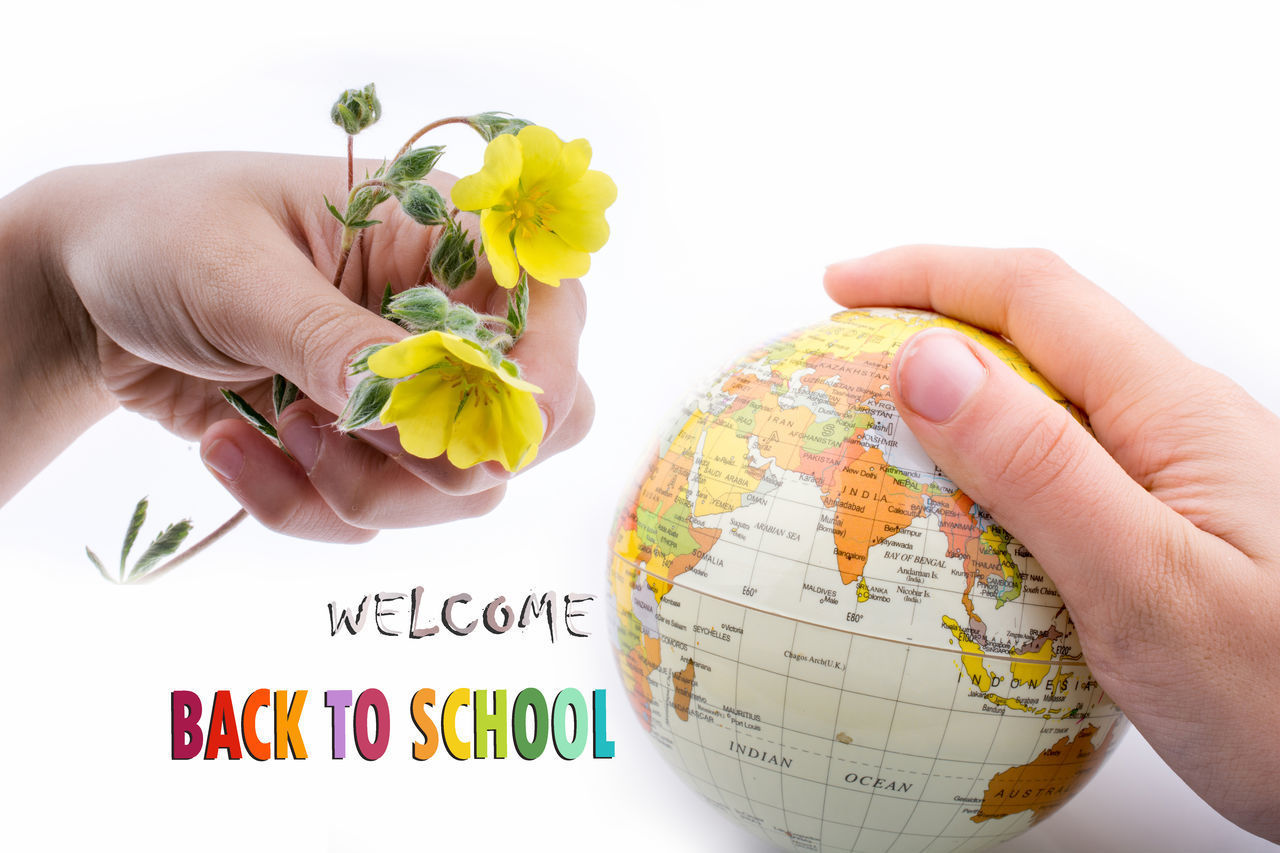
{"points": [[226, 527], [404, 149]]}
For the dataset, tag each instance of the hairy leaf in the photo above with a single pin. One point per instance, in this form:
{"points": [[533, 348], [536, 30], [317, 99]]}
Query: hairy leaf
{"points": [[250, 414], [283, 394], [93, 558], [366, 403], [135, 524], [169, 540]]}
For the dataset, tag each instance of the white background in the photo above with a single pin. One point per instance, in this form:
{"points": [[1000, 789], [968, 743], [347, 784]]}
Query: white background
{"points": [[752, 146]]}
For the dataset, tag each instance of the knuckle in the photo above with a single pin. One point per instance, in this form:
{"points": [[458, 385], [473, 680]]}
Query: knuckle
{"points": [[357, 502], [458, 482], [1047, 452], [315, 334], [1039, 262], [1138, 614], [277, 516]]}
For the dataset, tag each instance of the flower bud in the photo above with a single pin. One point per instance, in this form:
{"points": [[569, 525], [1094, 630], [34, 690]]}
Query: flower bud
{"points": [[461, 320], [357, 215], [356, 109], [453, 258], [424, 204], [490, 125], [422, 309], [414, 165]]}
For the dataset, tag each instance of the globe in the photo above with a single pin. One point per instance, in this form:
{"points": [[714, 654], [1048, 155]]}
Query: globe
{"points": [[828, 639]]}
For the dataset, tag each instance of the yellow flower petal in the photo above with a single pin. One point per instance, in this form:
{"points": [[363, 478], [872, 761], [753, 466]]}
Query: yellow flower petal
{"points": [[594, 192], [501, 172], [495, 231], [423, 408], [473, 354], [574, 160], [581, 229], [540, 150], [548, 258], [478, 431], [407, 357], [522, 430]]}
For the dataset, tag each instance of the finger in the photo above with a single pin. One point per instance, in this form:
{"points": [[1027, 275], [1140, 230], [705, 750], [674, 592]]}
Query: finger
{"points": [[270, 485], [439, 473], [265, 304], [1085, 342], [363, 486], [547, 352], [1134, 384], [1021, 457], [574, 426]]}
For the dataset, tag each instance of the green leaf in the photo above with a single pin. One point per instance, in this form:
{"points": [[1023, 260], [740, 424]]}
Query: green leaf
{"points": [[364, 223], [336, 215], [453, 258], [283, 394], [386, 301], [360, 364], [169, 540], [518, 305], [250, 414], [93, 558], [362, 203], [135, 524], [366, 403]]}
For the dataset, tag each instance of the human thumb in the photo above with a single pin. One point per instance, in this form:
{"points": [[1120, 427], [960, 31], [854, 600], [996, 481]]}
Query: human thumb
{"points": [[1022, 457], [295, 322]]}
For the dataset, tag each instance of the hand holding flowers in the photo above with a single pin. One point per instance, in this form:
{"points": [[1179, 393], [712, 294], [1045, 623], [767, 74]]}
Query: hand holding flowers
{"points": [[169, 279]]}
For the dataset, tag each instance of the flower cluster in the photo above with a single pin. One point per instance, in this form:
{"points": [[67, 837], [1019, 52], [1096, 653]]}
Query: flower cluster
{"points": [[450, 388]]}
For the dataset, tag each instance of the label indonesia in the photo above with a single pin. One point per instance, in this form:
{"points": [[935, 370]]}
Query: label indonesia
{"points": [[567, 724]]}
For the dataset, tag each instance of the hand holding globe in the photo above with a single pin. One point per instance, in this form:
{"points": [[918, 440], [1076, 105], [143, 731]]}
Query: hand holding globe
{"points": [[1157, 535], [826, 615]]}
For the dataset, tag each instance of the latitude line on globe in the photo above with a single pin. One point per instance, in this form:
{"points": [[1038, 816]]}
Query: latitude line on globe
{"points": [[912, 643]]}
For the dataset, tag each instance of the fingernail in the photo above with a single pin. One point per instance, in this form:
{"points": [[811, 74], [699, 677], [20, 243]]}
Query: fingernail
{"points": [[546, 419], [937, 373], [225, 459], [301, 437], [386, 439], [349, 384]]}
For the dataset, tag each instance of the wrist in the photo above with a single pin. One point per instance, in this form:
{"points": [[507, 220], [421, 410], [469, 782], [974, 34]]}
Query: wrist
{"points": [[51, 388]]}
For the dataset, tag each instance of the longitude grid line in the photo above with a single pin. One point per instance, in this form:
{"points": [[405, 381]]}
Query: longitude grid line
{"points": [[698, 724], [897, 698], [835, 723]]}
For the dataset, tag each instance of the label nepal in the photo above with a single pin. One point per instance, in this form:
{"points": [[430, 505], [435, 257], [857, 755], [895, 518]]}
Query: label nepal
{"points": [[567, 724]]}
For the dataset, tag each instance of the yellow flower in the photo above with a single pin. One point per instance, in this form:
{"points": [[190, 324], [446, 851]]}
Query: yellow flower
{"points": [[540, 207], [458, 402]]}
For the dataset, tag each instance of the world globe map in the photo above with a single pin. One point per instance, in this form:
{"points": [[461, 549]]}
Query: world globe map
{"points": [[827, 638]]}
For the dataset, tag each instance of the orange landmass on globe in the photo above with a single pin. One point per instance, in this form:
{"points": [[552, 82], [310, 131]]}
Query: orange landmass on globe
{"points": [[682, 681], [873, 505], [637, 665], [1045, 783]]}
